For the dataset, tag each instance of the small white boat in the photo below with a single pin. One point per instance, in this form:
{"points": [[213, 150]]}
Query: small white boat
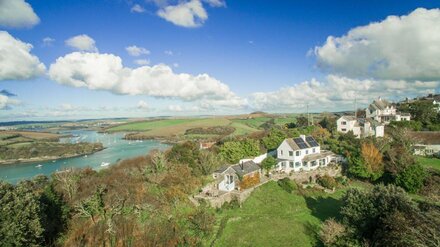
{"points": [[39, 166], [85, 156], [105, 164]]}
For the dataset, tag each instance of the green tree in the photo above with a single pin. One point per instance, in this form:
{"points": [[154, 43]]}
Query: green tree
{"points": [[268, 163], [274, 138], [233, 151], [302, 121], [412, 178]]}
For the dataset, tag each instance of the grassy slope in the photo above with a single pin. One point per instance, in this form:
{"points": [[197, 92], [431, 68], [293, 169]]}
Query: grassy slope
{"points": [[172, 127], [273, 217], [429, 162]]}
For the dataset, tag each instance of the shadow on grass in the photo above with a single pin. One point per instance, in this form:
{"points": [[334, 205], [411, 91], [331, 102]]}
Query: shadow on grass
{"points": [[324, 207]]}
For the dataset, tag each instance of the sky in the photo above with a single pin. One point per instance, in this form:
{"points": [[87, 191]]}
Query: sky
{"points": [[69, 59]]}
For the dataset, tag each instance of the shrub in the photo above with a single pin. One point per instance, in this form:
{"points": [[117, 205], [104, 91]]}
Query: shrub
{"points": [[288, 185], [331, 232], [327, 181], [268, 163], [412, 178]]}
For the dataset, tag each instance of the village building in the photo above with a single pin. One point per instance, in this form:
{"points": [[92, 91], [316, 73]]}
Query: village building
{"points": [[384, 112], [241, 176], [302, 154], [361, 127], [427, 143]]}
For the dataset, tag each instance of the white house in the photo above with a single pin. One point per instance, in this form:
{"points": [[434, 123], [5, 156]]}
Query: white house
{"points": [[228, 177], [427, 142], [361, 127], [384, 112], [302, 153]]}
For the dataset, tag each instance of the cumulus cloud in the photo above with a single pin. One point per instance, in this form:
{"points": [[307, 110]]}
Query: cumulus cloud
{"points": [[17, 14], [136, 51], [6, 102], [106, 72], [137, 9], [185, 14], [48, 41], [337, 92], [397, 48], [16, 61], [143, 105], [142, 62], [82, 42], [168, 52], [216, 3], [175, 108]]}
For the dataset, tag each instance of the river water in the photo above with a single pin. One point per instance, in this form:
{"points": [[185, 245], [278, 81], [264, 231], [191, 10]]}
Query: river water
{"points": [[116, 149]]}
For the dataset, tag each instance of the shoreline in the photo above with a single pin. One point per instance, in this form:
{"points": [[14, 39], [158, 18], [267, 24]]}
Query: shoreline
{"points": [[44, 158]]}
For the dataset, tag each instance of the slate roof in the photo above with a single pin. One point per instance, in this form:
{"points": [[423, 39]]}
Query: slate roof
{"points": [[295, 143], [379, 104], [312, 157], [245, 168], [349, 118], [426, 137]]}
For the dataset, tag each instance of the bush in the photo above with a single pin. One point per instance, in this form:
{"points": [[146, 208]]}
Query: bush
{"points": [[288, 185], [327, 181], [412, 178]]}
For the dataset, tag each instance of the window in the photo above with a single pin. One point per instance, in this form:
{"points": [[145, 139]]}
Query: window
{"points": [[307, 151], [281, 152], [313, 150], [229, 179], [314, 163], [297, 164], [322, 162], [291, 164], [290, 153], [344, 123], [304, 163], [283, 164], [344, 129], [298, 153]]}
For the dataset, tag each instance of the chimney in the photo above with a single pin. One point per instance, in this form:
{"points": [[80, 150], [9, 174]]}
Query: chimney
{"points": [[303, 137]]}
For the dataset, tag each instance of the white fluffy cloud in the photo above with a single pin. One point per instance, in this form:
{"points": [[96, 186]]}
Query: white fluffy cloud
{"points": [[143, 105], [82, 42], [337, 92], [142, 62], [137, 9], [185, 14], [175, 108], [397, 48], [106, 72], [16, 61], [48, 41], [216, 3], [6, 101], [17, 14], [136, 51]]}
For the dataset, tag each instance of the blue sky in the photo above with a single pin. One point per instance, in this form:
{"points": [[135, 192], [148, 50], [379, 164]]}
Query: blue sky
{"points": [[262, 51]]}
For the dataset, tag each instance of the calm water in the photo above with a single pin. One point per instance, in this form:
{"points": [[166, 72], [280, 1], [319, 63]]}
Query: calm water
{"points": [[116, 149]]}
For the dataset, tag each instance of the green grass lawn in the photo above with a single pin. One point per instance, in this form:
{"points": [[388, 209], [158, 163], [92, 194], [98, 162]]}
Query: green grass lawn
{"points": [[242, 129], [273, 217], [429, 162]]}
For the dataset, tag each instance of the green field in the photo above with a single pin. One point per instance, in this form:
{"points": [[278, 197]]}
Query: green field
{"points": [[429, 162], [271, 215], [177, 127]]}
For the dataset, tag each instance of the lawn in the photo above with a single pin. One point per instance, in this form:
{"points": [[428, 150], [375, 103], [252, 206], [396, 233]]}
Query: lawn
{"points": [[429, 162], [273, 217]]}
